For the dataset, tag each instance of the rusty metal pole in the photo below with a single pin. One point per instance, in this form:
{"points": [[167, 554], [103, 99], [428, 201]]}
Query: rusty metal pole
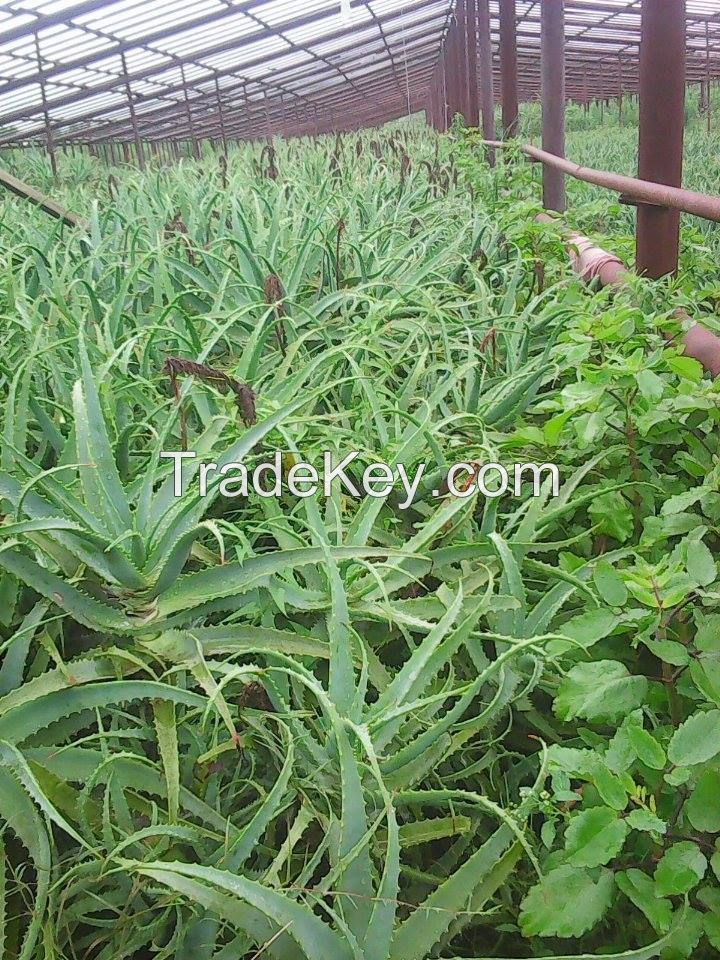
{"points": [[487, 91], [466, 18], [552, 27], [460, 77], [463, 73], [451, 73], [188, 111], [133, 117], [445, 91], [708, 107], [49, 139], [620, 90], [268, 132], [221, 118], [662, 118], [471, 47], [508, 68]]}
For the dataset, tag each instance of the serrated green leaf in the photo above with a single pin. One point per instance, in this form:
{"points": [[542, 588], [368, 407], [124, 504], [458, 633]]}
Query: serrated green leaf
{"points": [[566, 903]]}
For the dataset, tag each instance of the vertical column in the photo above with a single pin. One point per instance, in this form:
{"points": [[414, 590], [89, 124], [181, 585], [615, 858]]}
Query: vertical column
{"points": [[462, 63], [268, 130], [430, 104], [508, 68], [188, 111], [621, 92], [221, 118], [471, 41], [708, 100], [445, 91], [487, 91], [662, 117], [49, 139], [451, 72], [133, 118], [552, 28]]}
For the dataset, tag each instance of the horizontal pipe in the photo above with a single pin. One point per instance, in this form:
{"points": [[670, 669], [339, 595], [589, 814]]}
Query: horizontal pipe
{"points": [[591, 262], [24, 190], [640, 191]]}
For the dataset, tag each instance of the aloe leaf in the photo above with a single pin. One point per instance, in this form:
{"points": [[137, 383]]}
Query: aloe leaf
{"points": [[18, 810], [104, 493], [225, 894], [471, 884], [167, 738], [238, 578], [81, 607], [28, 718]]}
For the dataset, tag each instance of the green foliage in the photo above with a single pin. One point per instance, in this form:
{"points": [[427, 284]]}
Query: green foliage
{"points": [[335, 727]]}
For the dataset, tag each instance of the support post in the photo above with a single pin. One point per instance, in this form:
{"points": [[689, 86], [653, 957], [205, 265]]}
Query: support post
{"points": [[662, 118], [49, 139], [221, 118], [552, 27], [188, 111], [508, 68], [445, 91], [487, 92], [133, 118], [708, 100], [268, 131], [472, 116], [459, 71], [452, 72]]}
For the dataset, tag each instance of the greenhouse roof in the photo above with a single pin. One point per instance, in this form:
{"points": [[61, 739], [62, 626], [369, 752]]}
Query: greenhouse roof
{"points": [[82, 69]]}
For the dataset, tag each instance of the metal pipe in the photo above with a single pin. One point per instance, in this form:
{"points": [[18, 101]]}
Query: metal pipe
{"points": [[553, 99], [708, 102], [508, 68], [223, 135], [471, 48], [591, 263], [452, 72], [631, 188], [49, 140], [26, 192], [188, 110], [133, 117], [463, 75], [487, 92], [660, 144], [446, 92]]}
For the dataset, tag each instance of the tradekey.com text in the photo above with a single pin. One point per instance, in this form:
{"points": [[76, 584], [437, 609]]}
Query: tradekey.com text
{"points": [[283, 474]]}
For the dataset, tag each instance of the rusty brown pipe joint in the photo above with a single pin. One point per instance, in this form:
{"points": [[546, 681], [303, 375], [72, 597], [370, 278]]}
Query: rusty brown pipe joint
{"points": [[702, 345], [591, 262]]}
